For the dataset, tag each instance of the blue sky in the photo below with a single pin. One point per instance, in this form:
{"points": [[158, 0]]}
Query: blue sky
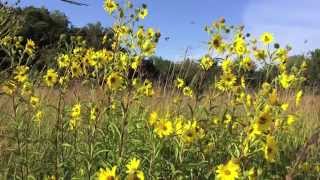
{"points": [[291, 21]]}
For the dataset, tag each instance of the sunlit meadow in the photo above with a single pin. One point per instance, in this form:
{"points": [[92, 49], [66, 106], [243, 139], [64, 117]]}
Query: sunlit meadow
{"points": [[91, 114]]}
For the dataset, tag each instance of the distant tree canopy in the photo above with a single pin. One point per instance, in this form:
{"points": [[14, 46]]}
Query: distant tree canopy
{"points": [[42, 26], [93, 34]]}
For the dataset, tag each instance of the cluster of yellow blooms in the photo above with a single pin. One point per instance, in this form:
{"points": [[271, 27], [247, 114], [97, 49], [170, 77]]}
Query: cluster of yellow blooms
{"points": [[265, 115], [133, 172], [21, 84], [16, 47], [186, 90], [187, 131]]}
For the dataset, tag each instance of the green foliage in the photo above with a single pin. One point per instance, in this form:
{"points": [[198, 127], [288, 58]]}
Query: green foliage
{"points": [[42, 26]]}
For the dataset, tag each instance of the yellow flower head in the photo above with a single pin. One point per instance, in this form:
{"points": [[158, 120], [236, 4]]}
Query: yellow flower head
{"points": [[286, 80], [191, 132], [163, 128], [227, 82], [206, 62], [282, 55], [51, 77], [216, 42], [136, 62], [229, 171], [38, 116], [148, 47], [110, 6], [291, 119], [30, 47], [34, 101], [240, 46], [187, 91], [26, 88], [76, 70], [138, 175], [146, 89], [114, 81], [140, 33], [133, 165], [21, 74], [75, 116], [227, 65], [284, 106], [9, 88], [63, 61], [151, 33], [133, 170], [180, 83], [108, 174], [263, 121], [266, 38], [76, 111], [246, 63], [143, 12]]}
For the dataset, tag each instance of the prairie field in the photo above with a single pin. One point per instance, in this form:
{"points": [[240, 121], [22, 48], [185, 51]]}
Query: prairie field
{"points": [[245, 109]]}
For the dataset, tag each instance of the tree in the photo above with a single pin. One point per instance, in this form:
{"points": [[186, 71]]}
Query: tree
{"points": [[93, 34], [42, 26]]}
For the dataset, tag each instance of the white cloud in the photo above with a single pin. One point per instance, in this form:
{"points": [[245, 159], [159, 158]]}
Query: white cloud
{"points": [[292, 22]]}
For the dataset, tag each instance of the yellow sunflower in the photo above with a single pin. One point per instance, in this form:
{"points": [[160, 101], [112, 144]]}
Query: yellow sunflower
{"points": [[108, 174], [110, 6], [180, 83], [133, 170], [51, 77], [143, 12], [266, 38], [206, 62], [229, 171], [21, 73], [30, 47], [187, 91], [114, 81], [163, 128], [263, 121]]}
